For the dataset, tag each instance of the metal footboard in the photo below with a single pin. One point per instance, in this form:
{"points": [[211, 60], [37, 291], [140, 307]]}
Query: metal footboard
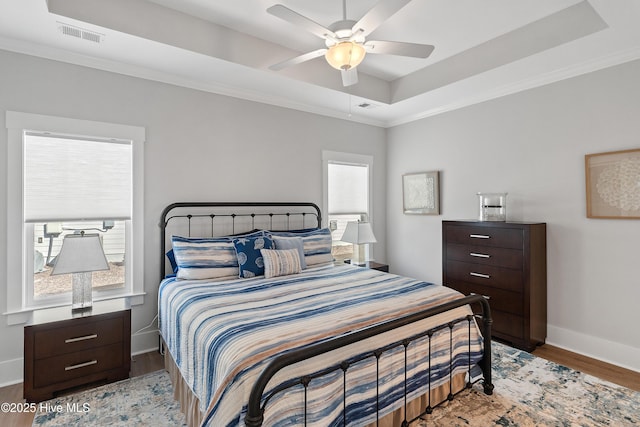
{"points": [[258, 401]]}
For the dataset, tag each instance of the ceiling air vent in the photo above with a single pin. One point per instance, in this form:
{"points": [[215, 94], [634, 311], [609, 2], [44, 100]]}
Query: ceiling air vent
{"points": [[367, 105], [80, 33]]}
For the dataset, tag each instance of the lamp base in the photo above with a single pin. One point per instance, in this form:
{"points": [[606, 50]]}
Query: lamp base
{"points": [[359, 257], [81, 292]]}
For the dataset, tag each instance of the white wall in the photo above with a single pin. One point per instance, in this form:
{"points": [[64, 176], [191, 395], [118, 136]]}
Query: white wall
{"points": [[532, 145], [200, 147]]}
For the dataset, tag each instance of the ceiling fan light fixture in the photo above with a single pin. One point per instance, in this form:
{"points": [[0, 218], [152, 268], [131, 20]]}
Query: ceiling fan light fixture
{"points": [[345, 55]]}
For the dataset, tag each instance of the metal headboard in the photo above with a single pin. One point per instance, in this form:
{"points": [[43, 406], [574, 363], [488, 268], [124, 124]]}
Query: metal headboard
{"points": [[210, 219]]}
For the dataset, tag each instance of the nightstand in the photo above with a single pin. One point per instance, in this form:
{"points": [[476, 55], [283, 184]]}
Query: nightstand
{"points": [[372, 265], [64, 349]]}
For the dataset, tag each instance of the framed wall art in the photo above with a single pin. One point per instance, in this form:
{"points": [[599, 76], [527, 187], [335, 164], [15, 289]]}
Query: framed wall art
{"points": [[613, 184], [421, 193]]}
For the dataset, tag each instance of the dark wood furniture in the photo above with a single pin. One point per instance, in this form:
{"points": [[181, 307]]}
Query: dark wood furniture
{"points": [[373, 266], [507, 263], [64, 349]]}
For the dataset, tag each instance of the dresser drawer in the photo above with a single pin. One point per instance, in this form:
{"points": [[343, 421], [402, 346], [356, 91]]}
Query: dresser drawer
{"points": [[484, 236], [55, 341], [484, 275], [499, 299], [74, 365], [507, 326], [501, 257]]}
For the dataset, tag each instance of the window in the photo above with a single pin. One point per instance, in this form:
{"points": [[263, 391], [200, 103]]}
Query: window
{"points": [[70, 176], [347, 195]]}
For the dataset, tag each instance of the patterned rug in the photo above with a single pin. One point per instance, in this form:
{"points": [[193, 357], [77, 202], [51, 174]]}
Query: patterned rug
{"points": [[529, 391]]}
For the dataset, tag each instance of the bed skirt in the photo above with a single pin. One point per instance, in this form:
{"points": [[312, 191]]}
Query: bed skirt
{"points": [[189, 403]]}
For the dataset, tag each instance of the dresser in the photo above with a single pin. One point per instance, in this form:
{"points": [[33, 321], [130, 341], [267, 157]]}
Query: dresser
{"points": [[64, 349], [507, 263]]}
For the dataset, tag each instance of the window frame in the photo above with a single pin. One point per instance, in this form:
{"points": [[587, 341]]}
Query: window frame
{"points": [[347, 159], [19, 305]]}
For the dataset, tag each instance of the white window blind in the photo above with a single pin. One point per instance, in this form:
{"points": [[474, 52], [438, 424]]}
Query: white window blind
{"points": [[348, 188], [76, 179]]}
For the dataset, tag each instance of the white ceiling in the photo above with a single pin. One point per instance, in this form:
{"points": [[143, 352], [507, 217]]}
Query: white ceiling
{"points": [[483, 49]]}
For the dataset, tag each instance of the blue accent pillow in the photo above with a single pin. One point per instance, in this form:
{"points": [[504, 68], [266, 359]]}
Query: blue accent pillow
{"points": [[172, 260], [282, 242], [250, 259]]}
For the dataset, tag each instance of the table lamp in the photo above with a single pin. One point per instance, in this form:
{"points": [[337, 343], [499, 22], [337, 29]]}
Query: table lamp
{"points": [[81, 254], [360, 234]]}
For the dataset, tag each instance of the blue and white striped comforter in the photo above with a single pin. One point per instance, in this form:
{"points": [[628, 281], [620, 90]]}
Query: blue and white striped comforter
{"points": [[222, 334]]}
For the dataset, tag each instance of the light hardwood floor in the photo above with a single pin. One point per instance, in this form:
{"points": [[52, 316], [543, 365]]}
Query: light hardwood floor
{"points": [[150, 362]]}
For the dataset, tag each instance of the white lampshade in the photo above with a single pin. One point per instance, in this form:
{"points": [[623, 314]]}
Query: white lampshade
{"points": [[358, 233], [80, 253], [345, 55]]}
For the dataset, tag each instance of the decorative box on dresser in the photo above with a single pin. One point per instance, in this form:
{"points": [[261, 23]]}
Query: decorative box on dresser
{"points": [[64, 349], [506, 262]]}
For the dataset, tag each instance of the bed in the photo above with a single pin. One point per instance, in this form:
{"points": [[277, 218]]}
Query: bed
{"points": [[322, 345]]}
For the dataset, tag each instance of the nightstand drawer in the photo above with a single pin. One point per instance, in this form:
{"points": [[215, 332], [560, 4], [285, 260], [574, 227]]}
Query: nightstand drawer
{"points": [[86, 335], [502, 257], [484, 275], [74, 365], [485, 236]]}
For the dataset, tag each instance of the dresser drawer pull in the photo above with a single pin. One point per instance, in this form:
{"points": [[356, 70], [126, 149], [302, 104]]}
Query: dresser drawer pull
{"points": [[80, 365], [479, 236], [484, 276], [86, 337], [479, 255], [487, 297]]}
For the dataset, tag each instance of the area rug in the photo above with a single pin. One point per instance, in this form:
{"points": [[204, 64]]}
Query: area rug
{"points": [[529, 391], [141, 401]]}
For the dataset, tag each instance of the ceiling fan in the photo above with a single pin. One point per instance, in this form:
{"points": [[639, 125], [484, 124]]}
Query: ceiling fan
{"points": [[345, 40]]}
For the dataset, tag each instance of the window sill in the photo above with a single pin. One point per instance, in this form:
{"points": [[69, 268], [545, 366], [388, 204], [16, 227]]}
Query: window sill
{"points": [[18, 317]]}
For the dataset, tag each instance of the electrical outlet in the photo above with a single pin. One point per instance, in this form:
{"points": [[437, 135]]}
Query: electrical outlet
{"points": [[39, 239], [333, 225]]}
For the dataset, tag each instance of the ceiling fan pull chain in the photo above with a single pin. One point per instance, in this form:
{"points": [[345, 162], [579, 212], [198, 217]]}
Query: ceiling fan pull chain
{"points": [[344, 10]]}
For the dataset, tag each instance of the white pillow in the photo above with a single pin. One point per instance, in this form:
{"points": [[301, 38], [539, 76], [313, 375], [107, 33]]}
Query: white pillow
{"points": [[280, 262]]}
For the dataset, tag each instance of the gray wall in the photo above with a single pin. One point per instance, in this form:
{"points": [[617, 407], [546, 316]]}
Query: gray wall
{"points": [[532, 145], [200, 146]]}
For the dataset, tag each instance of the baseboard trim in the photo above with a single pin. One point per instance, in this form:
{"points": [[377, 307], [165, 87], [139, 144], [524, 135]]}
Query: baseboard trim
{"points": [[11, 372], [621, 355], [143, 342]]}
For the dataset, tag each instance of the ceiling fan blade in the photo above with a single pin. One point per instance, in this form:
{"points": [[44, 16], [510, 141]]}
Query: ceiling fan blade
{"points": [[349, 77], [377, 15], [399, 48], [295, 18], [298, 59]]}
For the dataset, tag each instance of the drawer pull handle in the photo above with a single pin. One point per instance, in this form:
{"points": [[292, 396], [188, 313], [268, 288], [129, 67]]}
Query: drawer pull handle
{"points": [[479, 255], [80, 365], [479, 236], [484, 276], [86, 337], [487, 297]]}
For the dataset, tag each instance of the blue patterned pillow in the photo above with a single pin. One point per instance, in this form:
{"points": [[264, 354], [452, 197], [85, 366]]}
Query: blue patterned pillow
{"points": [[281, 262], [249, 257], [317, 245]]}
